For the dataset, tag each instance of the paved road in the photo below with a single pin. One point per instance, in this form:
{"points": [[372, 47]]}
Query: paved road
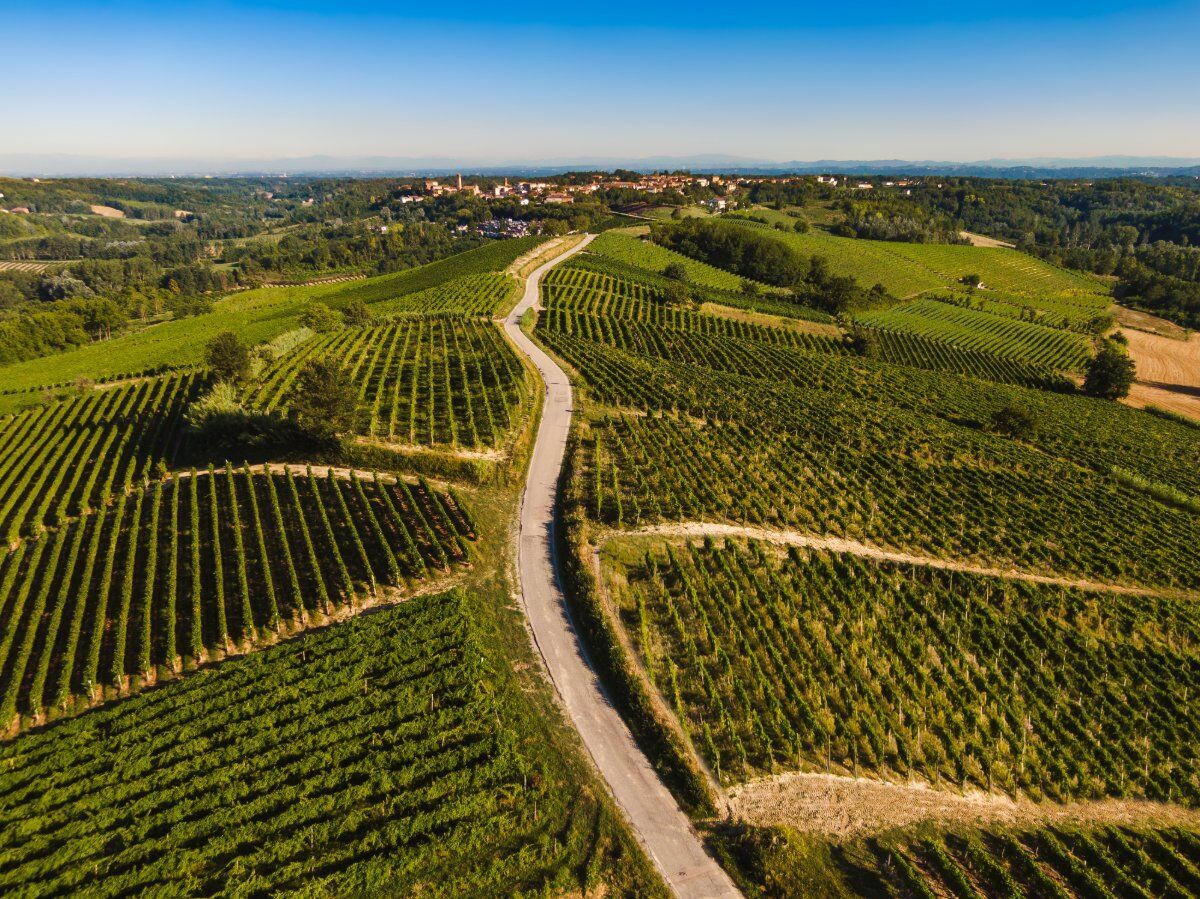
{"points": [[663, 829]]}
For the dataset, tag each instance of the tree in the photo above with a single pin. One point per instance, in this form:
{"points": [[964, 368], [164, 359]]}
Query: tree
{"points": [[1014, 421], [676, 294], [675, 271], [357, 315], [749, 288], [320, 318], [971, 280], [861, 341], [1110, 374], [227, 357], [800, 226], [324, 402]]}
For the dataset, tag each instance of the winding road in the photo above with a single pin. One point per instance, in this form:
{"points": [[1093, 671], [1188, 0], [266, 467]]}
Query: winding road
{"points": [[660, 825]]}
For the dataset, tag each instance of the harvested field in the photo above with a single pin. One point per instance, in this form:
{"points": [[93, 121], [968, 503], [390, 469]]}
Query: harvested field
{"points": [[108, 212], [1168, 372], [982, 240]]}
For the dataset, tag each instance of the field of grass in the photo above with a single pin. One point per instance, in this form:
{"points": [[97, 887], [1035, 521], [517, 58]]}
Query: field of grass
{"points": [[907, 269], [421, 380], [256, 316], [393, 754]]}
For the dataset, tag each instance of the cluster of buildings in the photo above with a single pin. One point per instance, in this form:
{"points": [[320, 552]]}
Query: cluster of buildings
{"points": [[545, 192]]}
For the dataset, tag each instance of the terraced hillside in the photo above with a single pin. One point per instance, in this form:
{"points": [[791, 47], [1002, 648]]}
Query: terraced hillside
{"points": [[826, 565]]}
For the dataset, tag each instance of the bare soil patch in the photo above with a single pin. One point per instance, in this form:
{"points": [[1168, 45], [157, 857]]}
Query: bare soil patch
{"points": [[982, 240], [108, 212], [1168, 371], [840, 808]]}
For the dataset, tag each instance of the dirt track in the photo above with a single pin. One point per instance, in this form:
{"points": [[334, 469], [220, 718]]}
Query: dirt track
{"points": [[662, 828], [837, 544], [844, 807]]}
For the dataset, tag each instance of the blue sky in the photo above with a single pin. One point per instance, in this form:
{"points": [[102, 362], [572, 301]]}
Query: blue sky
{"points": [[500, 81]]}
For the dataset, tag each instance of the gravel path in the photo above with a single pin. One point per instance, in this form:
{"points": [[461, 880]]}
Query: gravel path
{"points": [[660, 825]]}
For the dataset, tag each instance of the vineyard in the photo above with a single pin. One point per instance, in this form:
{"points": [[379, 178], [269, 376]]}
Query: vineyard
{"points": [[971, 329], [651, 257], [196, 567], [392, 754], [65, 459], [1097, 862], [1075, 313], [420, 380], [256, 315], [469, 295], [828, 661]]}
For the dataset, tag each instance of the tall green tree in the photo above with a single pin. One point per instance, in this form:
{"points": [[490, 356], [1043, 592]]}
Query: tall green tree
{"points": [[1110, 374], [227, 357]]}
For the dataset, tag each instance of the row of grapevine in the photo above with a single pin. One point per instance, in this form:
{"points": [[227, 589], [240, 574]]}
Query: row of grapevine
{"points": [[831, 661], [480, 295], [972, 329], [1058, 862], [907, 348], [1075, 313], [196, 566], [424, 380], [721, 377], [65, 459], [904, 484], [358, 760], [772, 303]]}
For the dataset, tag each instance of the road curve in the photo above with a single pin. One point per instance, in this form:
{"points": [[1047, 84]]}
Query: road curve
{"points": [[659, 824]]}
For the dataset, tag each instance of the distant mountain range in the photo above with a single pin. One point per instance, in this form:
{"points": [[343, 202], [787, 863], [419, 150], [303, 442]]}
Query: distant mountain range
{"points": [[66, 165]]}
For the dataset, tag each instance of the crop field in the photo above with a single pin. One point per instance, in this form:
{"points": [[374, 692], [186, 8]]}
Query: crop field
{"points": [[646, 255], [1095, 861], [424, 380], [358, 760], [847, 473], [996, 335], [256, 316], [650, 283], [193, 567], [1073, 429], [1075, 313], [469, 295], [787, 437], [65, 459], [907, 269], [920, 351], [828, 661], [628, 313]]}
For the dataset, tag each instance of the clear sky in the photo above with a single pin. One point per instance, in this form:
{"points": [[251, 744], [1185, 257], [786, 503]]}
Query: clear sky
{"points": [[507, 82]]}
